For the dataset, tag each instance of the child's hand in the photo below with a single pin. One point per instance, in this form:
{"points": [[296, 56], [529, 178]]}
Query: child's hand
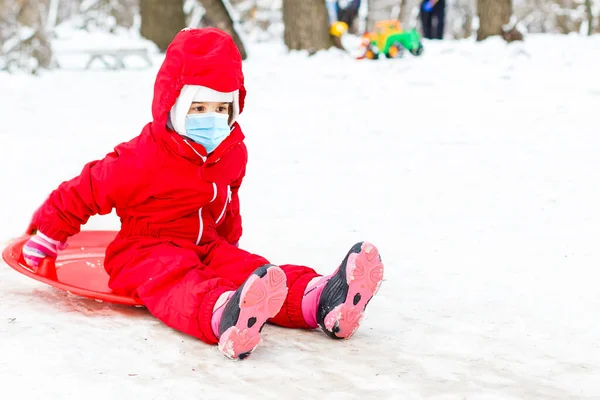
{"points": [[40, 246]]}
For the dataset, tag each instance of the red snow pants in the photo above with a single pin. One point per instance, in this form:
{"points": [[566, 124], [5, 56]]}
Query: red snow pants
{"points": [[180, 282]]}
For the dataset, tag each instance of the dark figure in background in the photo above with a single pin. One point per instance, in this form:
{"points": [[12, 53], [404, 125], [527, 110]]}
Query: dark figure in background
{"points": [[433, 13], [348, 11], [344, 11]]}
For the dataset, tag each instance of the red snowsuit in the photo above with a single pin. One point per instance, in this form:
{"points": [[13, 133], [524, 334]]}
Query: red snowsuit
{"points": [[179, 208]]}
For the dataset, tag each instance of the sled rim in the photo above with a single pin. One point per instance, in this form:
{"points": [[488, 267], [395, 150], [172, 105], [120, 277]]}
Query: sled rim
{"points": [[12, 256]]}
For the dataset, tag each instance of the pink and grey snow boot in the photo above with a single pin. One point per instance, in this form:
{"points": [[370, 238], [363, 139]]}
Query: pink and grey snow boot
{"points": [[345, 294], [259, 298]]}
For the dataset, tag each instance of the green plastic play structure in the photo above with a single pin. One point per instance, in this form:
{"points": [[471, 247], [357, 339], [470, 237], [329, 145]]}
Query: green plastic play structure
{"points": [[389, 39]]}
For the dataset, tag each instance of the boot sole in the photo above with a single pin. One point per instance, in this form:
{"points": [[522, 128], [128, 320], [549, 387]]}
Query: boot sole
{"points": [[354, 284], [261, 298]]}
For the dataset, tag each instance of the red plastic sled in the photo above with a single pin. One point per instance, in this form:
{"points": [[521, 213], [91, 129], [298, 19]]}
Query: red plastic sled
{"points": [[79, 269]]}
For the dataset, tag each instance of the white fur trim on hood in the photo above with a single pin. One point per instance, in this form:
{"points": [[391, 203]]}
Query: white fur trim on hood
{"points": [[191, 93], [207, 94]]}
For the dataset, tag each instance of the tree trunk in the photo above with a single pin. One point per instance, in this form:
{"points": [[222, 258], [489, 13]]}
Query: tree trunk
{"points": [[468, 25], [52, 15], [590, 17], [124, 12], [493, 14], [161, 21], [219, 17], [406, 7], [306, 25], [371, 19], [30, 14], [36, 45]]}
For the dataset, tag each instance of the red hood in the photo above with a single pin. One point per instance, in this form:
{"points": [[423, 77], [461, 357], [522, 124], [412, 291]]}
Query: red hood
{"points": [[206, 57]]}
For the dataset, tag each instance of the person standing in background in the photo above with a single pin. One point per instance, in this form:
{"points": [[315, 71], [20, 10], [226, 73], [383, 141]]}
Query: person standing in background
{"points": [[433, 13], [345, 11]]}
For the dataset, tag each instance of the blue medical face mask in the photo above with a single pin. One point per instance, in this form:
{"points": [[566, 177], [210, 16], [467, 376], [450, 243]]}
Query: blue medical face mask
{"points": [[208, 129]]}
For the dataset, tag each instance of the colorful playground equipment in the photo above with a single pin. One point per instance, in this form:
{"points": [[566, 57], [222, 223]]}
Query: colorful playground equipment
{"points": [[389, 39]]}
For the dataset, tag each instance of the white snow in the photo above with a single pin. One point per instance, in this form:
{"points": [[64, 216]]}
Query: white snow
{"points": [[473, 168]]}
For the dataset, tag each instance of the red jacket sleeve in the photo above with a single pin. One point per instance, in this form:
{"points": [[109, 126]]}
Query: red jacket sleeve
{"points": [[101, 186]]}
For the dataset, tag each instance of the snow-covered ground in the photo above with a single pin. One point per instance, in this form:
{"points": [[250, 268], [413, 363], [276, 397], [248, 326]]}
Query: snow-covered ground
{"points": [[474, 168]]}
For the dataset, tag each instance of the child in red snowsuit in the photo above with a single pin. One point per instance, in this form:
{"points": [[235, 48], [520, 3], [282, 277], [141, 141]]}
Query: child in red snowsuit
{"points": [[175, 189]]}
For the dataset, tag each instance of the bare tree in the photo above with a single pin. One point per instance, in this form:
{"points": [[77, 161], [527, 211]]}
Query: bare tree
{"points": [[493, 15], [52, 14], [407, 13], [108, 15], [306, 25], [383, 9], [161, 20], [404, 11], [124, 12], [467, 25], [459, 18], [552, 16], [24, 45], [590, 17], [219, 16]]}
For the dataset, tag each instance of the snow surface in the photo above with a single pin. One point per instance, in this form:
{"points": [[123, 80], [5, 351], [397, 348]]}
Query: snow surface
{"points": [[473, 168]]}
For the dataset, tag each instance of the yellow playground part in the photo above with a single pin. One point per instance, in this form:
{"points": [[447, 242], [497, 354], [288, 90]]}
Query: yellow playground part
{"points": [[338, 28]]}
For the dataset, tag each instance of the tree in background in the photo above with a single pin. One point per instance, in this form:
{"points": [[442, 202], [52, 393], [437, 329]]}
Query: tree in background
{"points": [[108, 15], [405, 10], [161, 20], [218, 14], [25, 44], [460, 15], [306, 25], [590, 17], [554, 16], [27, 27], [493, 16]]}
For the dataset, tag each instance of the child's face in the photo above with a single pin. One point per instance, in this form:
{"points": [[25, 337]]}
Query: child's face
{"points": [[207, 107]]}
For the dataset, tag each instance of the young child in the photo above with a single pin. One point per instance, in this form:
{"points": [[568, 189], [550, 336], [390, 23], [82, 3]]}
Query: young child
{"points": [[175, 189]]}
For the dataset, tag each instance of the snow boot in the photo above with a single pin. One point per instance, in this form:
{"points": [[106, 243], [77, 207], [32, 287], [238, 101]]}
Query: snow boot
{"points": [[259, 298], [345, 294]]}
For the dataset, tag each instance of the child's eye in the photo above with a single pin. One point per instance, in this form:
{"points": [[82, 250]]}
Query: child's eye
{"points": [[199, 109], [222, 109]]}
